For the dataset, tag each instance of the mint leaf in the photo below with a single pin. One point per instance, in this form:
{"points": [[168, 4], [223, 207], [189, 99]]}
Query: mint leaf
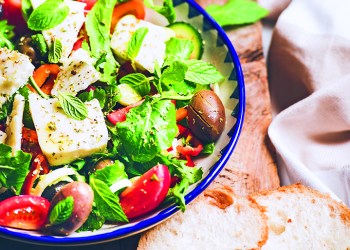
{"points": [[107, 202], [55, 51], [26, 9], [110, 174], [201, 72], [177, 50], [138, 81], [48, 15], [61, 211], [13, 168], [237, 12], [72, 106], [167, 9], [174, 74], [6, 34], [135, 42], [148, 129], [40, 43], [98, 93], [98, 23]]}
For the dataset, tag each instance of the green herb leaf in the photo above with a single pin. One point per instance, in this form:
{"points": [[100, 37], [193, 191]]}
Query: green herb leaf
{"points": [[110, 174], [13, 168], [167, 9], [177, 50], [98, 23], [107, 202], [26, 9], [138, 81], [55, 52], [61, 211], [149, 129], [6, 34], [202, 72], [98, 93], [48, 15], [72, 106], [237, 12], [136, 42], [40, 43]]}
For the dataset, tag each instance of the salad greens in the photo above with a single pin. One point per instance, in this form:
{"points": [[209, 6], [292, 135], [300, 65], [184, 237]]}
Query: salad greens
{"points": [[136, 144]]}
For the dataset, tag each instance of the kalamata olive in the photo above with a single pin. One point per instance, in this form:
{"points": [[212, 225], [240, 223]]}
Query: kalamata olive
{"points": [[52, 190], [83, 198], [206, 115], [25, 46], [103, 163]]}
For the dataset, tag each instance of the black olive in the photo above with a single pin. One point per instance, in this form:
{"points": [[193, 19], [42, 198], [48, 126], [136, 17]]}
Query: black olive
{"points": [[50, 191], [206, 116], [25, 46]]}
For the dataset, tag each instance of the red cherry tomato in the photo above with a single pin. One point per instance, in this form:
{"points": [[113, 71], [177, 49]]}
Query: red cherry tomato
{"points": [[147, 192], [89, 4], [134, 7], [24, 212], [12, 12], [118, 115]]}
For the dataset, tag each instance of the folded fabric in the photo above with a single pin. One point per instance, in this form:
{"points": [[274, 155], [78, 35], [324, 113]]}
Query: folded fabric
{"points": [[309, 77]]}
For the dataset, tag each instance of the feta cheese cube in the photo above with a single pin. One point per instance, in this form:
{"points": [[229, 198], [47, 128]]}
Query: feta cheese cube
{"points": [[67, 31], [15, 70], [63, 139], [14, 124], [153, 46], [76, 73]]}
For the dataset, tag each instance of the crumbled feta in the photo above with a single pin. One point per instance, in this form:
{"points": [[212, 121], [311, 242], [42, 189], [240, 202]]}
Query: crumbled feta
{"points": [[67, 31], [76, 73], [15, 70], [152, 50], [14, 124], [63, 139]]}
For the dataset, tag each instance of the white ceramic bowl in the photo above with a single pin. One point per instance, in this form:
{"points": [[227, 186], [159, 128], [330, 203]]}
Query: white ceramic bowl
{"points": [[218, 51]]}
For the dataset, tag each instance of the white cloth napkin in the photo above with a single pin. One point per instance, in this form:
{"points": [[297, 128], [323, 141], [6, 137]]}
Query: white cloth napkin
{"points": [[309, 76]]}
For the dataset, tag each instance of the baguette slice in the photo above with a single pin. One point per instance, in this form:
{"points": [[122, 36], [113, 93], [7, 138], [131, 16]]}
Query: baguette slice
{"points": [[216, 220], [302, 218]]}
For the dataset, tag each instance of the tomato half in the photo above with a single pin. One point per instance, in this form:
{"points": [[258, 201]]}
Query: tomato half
{"points": [[12, 12], [24, 212], [134, 7], [147, 192]]}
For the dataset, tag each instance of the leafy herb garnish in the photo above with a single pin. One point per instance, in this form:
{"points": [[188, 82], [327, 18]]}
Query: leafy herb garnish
{"points": [[13, 168], [72, 106], [40, 43], [237, 12], [167, 9], [138, 81], [98, 22], [107, 202], [61, 211], [201, 72], [48, 15], [55, 51], [6, 34], [135, 43]]}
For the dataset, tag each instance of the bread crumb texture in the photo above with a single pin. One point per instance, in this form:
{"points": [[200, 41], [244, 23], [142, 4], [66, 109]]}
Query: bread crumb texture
{"points": [[208, 223], [302, 218], [291, 217]]}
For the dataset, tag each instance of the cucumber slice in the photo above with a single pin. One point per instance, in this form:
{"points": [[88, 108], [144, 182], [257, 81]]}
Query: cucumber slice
{"points": [[187, 31]]}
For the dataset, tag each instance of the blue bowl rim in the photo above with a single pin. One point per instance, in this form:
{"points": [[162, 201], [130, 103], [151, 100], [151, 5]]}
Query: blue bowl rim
{"points": [[149, 222]]}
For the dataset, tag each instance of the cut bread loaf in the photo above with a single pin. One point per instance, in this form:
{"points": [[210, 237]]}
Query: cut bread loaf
{"points": [[302, 218], [291, 217], [216, 220]]}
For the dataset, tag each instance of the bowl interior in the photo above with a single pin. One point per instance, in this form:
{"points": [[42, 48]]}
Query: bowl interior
{"points": [[218, 51]]}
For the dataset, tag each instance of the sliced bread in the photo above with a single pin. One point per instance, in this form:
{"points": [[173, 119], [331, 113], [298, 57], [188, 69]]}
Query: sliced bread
{"points": [[302, 218], [218, 219]]}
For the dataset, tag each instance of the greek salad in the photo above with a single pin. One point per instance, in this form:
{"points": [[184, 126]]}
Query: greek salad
{"points": [[102, 112]]}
